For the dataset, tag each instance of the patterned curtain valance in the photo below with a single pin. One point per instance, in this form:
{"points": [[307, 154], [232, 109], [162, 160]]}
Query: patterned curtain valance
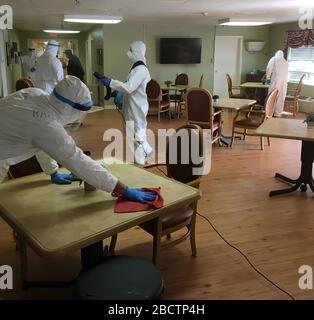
{"points": [[296, 39]]}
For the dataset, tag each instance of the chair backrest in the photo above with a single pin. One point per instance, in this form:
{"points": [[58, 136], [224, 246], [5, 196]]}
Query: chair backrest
{"points": [[201, 81], [270, 103], [199, 104], [229, 83], [23, 83], [153, 90], [182, 79], [299, 87], [25, 168], [179, 153]]}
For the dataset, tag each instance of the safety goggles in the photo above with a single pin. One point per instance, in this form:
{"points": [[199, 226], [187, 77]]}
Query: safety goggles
{"points": [[82, 107]]}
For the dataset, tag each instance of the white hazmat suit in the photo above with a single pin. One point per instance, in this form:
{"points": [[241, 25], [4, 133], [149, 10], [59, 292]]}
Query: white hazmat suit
{"points": [[29, 62], [49, 69], [135, 105], [277, 72], [32, 123]]}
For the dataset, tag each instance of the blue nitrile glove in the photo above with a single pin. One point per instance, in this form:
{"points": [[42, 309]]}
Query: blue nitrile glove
{"points": [[118, 99], [138, 195], [105, 81], [61, 178]]}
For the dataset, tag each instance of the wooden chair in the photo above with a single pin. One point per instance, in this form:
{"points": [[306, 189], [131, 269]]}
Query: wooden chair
{"points": [[182, 79], [22, 169], [25, 168], [182, 105], [158, 101], [293, 95], [231, 88], [201, 112], [175, 220], [23, 83], [254, 118], [201, 81]]}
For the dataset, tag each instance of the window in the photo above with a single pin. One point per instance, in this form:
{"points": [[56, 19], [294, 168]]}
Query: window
{"points": [[301, 60]]}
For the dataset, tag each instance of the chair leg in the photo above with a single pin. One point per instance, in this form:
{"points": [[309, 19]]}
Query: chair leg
{"points": [[113, 243], [296, 107], [244, 134], [232, 137], [192, 235], [262, 143], [268, 141]]}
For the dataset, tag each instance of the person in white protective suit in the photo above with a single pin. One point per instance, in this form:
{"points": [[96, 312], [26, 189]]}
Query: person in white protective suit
{"points": [[49, 69], [277, 73], [32, 123], [28, 63], [135, 104]]}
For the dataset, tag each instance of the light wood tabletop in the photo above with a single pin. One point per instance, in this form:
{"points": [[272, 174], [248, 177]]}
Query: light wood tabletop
{"points": [[233, 104], [54, 220], [286, 129], [256, 85]]}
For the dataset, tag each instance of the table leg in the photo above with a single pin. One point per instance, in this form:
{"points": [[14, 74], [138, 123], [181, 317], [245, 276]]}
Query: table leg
{"points": [[93, 254], [157, 239], [223, 140], [306, 176]]}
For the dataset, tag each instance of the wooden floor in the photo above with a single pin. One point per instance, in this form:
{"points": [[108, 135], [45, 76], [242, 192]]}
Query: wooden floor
{"points": [[276, 234]]}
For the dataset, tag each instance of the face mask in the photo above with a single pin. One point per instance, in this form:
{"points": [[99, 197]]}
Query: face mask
{"points": [[130, 55]]}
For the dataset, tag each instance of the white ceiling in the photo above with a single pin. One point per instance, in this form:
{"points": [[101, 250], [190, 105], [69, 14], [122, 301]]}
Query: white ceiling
{"points": [[42, 14]]}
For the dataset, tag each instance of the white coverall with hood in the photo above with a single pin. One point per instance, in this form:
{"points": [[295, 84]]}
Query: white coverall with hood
{"points": [[32, 123], [29, 62], [49, 69], [277, 72], [135, 105]]}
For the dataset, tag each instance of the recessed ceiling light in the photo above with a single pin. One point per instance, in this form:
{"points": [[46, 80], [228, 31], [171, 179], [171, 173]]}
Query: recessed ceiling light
{"points": [[92, 18], [243, 22], [61, 31]]}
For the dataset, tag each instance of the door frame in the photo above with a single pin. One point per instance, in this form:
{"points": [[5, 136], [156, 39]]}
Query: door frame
{"points": [[3, 66]]}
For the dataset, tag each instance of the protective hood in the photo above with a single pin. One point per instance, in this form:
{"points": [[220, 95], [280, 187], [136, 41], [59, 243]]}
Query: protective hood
{"points": [[70, 98], [52, 48], [279, 54], [31, 53], [138, 49]]}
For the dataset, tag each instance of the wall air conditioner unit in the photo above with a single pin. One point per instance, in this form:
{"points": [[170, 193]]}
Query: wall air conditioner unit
{"points": [[255, 46]]}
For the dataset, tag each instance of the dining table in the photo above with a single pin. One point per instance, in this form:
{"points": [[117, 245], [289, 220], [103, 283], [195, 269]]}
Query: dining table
{"points": [[256, 90], [296, 130], [235, 105], [56, 220]]}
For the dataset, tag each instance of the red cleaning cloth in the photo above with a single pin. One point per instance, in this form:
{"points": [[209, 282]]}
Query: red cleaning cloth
{"points": [[123, 205]]}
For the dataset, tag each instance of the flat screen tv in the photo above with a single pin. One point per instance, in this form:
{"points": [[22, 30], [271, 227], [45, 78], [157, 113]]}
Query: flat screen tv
{"points": [[180, 50]]}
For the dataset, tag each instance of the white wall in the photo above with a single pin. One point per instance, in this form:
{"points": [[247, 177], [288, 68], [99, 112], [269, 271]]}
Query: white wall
{"points": [[117, 39]]}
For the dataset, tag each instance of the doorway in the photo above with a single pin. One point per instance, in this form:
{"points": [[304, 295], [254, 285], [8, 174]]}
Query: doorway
{"points": [[227, 59]]}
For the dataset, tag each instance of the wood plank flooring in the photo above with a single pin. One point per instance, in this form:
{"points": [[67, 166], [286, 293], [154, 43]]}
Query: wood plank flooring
{"points": [[276, 234]]}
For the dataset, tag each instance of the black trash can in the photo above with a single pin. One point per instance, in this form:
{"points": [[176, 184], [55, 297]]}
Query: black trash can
{"points": [[120, 278]]}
